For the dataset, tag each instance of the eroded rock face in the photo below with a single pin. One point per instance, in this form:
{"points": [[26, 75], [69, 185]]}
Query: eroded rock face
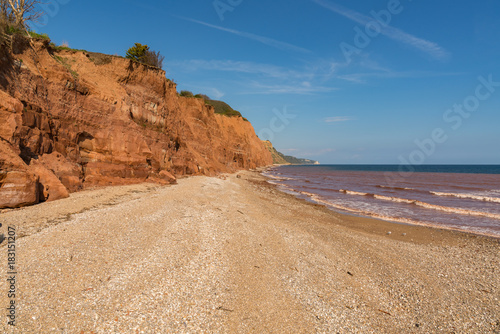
{"points": [[18, 186], [95, 120]]}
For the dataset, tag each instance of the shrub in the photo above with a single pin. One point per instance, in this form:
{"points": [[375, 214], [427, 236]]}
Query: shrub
{"points": [[142, 54], [154, 58], [11, 30], [202, 96], [186, 93]]}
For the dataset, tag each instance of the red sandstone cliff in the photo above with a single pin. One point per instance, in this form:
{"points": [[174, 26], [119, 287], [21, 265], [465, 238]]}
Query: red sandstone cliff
{"points": [[71, 120]]}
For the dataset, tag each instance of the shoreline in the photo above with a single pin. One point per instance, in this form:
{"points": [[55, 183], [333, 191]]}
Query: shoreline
{"points": [[381, 226], [354, 213], [235, 254]]}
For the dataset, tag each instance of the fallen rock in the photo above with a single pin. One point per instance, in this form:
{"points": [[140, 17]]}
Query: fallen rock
{"points": [[51, 188], [69, 173], [164, 175], [17, 189]]}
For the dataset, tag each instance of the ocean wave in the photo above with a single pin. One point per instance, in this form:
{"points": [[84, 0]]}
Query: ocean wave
{"points": [[409, 221], [350, 192], [319, 200], [395, 199], [467, 196], [459, 211], [395, 188], [279, 178]]}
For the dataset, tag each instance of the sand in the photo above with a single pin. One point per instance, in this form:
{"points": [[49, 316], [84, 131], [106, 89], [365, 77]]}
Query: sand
{"points": [[235, 255]]}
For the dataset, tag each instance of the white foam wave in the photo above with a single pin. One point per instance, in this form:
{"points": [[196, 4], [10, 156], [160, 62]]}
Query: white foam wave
{"points": [[395, 188], [459, 211], [344, 208], [467, 196], [279, 178], [350, 192], [395, 199]]}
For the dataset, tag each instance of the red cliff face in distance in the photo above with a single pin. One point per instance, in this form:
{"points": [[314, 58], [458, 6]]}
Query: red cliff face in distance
{"points": [[71, 120]]}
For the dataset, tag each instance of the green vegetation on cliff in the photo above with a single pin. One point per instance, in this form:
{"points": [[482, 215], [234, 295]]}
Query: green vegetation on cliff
{"points": [[142, 54], [223, 108], [278, 158], [281, 159], [220, 107]]}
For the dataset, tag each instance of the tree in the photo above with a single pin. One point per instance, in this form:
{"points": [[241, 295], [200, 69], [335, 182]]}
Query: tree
{"points": [[138, 52], [5, 13], [20, 12], [142, 54]]}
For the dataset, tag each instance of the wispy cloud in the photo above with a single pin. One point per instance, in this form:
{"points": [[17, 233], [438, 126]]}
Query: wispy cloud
{"points": [[262, 39], [362, 77], [264, 78], [242, 67], [337, 119], [428, 47], [305, 88], [211, 91]]}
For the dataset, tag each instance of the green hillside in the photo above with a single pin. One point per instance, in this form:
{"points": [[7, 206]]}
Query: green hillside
{"points": [[281, 159]]}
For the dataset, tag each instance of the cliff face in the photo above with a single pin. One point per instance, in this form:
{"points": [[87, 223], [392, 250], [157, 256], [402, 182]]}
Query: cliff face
{"points": [[71, 120], [278, 158], [281, 159]]}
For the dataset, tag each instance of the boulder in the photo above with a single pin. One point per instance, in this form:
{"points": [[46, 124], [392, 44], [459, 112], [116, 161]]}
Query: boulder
{"points": [[17, 189], [50, 188], [164, 175]]}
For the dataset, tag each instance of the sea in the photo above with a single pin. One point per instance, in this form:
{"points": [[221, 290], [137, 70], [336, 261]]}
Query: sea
{"points": [[459, 197]]}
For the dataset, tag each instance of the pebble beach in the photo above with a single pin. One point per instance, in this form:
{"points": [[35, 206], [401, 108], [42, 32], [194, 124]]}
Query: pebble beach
{"points": [[233, 254]]}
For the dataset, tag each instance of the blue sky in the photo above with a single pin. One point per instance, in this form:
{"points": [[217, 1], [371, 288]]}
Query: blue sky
{"points": [[342, 82]]}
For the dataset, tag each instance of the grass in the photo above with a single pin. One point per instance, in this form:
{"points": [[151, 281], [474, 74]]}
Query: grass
{"points": [[64, 48], [220, 107], [64, 62], [11, 30], [223, 108], [36, 35]]}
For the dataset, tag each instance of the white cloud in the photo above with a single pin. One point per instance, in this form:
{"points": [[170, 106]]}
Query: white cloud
{"points": [[337, 119], [431, 48], [217, 94]]}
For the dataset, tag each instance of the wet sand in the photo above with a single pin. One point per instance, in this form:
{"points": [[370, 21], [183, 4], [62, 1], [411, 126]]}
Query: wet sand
{"points": [[235, 255]]}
